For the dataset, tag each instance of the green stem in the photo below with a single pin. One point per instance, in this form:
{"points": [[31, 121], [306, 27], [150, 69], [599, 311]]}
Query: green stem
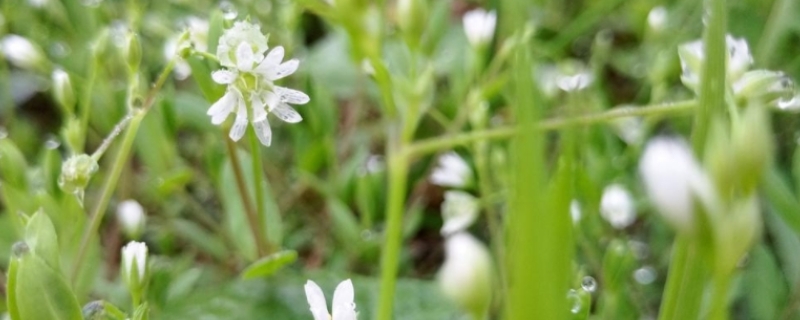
{"points": [[423, 147], [249, 210], [492, 215], [719, 299], [258, 171], [685, 282], [108, 190], [713, 77], [398, 176]]}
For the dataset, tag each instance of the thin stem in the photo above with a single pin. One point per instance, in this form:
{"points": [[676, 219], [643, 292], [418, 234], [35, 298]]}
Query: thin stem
{"points": [[250, 211], [258, 171], [719, 299], [98, 153]]}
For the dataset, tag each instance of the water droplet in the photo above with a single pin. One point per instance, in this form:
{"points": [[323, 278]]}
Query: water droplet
{"points": [[589, 284], [52, 144], [59, 49], [228, 10], [367, 235], [575, 301], [3, 133], [645, 275], [91, 3]]}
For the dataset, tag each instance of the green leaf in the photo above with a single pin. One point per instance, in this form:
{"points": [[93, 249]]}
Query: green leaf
{"points": [[268, 265], [40, 236], [42, 292], [766, 293]]}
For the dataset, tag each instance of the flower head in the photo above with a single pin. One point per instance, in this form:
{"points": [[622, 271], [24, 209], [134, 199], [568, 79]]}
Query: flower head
{"points": [[466, 275], [134, 257], [131, 217], [343, 306], [452, 171], [249, 75], [21, 51], [459, 210], [616, 206], [479, 26]]}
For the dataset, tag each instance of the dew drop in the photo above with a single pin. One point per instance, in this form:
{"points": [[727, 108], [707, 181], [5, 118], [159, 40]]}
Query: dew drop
{"points": [[367, 235], [52, 144], [575, 301], [228, 10], [645, 275], [589, 284]]}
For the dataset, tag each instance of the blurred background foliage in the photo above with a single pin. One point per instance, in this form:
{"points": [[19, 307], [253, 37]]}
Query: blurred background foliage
{"points": [[324, 180]]}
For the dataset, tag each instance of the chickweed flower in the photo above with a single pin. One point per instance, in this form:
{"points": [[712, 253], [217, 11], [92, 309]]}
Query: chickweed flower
{"points": [[249, 75], [459, 210], [343, 307], [131, 217], [134, 267], [479, 26], [452, 171], [616, 206], [466, 275], [657, 19], [21, 52]]}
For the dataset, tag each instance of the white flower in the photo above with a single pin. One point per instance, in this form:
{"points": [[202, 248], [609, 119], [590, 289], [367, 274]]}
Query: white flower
{"points": [[616, 206], [575, 82], [62, 89], [251, 94], [479, 26], [21, 51], [131, 217], [692, 56], [198, 40], [343, 307], [134, 254], [466, 275], [459, 210], [674, 180], [657, 18], [452, 171]]}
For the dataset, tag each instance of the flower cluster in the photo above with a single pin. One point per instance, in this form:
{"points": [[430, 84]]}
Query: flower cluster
{"points": [[249, 72]]}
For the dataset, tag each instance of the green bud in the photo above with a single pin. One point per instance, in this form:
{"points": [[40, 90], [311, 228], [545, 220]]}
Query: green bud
{"points": [[735, 232], [63, 92], [412, 18], [752, 147], [76, 173], [73, 135], [133, 52]]}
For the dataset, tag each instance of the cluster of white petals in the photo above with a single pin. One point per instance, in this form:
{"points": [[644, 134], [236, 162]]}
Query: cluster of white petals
{"points": [[459, 211], [249, 72], [343, 306], [134, 254], [452, 171], [479, 26]]}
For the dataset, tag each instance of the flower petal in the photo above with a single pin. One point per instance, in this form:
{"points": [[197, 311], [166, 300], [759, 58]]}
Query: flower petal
{"points": [[283, 70], [240, 125], [343, 306], [286, 113], [291, 96], [224, 76], [272, 60], [264, 134], [316, 301], [219, 110], [244, 57], [272, 100]]}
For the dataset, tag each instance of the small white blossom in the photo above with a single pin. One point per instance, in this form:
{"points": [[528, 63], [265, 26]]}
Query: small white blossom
{"points": [[459, 210], [249, 75], [134, 254], [343, 307], [21, 51], [62, 89], [198, 40], [466, 275], [479, 26], [616, 206], [131, 217], [575, 82], [674, 180], [452, 171], [692, 56], [657, 18]]}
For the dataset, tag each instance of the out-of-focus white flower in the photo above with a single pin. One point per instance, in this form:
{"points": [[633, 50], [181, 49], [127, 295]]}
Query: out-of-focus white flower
{"points": [[479, 26], [134, 261], [692, 56], [62, 89], [249, 76], [575, 211], [452, 171], [343, 308], [459, 210], [21, 52], [657, 18], [616, 206], [674, 181], [198, 40], [466, 275], [575, 82], [131, 217]]}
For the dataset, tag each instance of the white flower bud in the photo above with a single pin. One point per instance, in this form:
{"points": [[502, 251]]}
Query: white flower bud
{"points": [[479, 26], [131, 217], [657, 19], [674, 180], [343, 307], [76, 172], [616, 206], [62, 89], [134, 264], [466, 275], [452, 171], [21, 52], [459, 210]]}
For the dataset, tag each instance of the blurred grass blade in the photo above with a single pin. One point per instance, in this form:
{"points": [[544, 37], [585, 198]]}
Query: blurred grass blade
{"points": [[268, 265]]}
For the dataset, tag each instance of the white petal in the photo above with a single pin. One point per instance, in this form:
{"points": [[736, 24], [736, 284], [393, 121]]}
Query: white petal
{"points": [[272, 100], [257, 102], [219, 110], [244, 57], [292, 96], [263, 132], [343, 306], [283, 70], [459, 211], [272, 60], [240, 125], [286, 113], [451, 171], [316, 301], [224, 76]]}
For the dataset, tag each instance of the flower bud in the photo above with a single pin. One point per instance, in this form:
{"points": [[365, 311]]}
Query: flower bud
{"points": [[763, 86], [479, 26], [459, 210], [657, 19], [616, 206], [73, 134], [62, 90], [412, 18], [131, 217], [735, 231], [22, 52], [466, 275], [134, 266], [452, 171], [133, 52], [76, 173]]}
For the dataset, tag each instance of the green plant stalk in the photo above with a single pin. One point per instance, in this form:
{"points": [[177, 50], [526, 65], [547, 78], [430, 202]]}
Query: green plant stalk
{"points": [[398, 176], [719, 299], [685, 282], [249, 210], [258, 170], [493, 216], [777, 27], [86, 97]]}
